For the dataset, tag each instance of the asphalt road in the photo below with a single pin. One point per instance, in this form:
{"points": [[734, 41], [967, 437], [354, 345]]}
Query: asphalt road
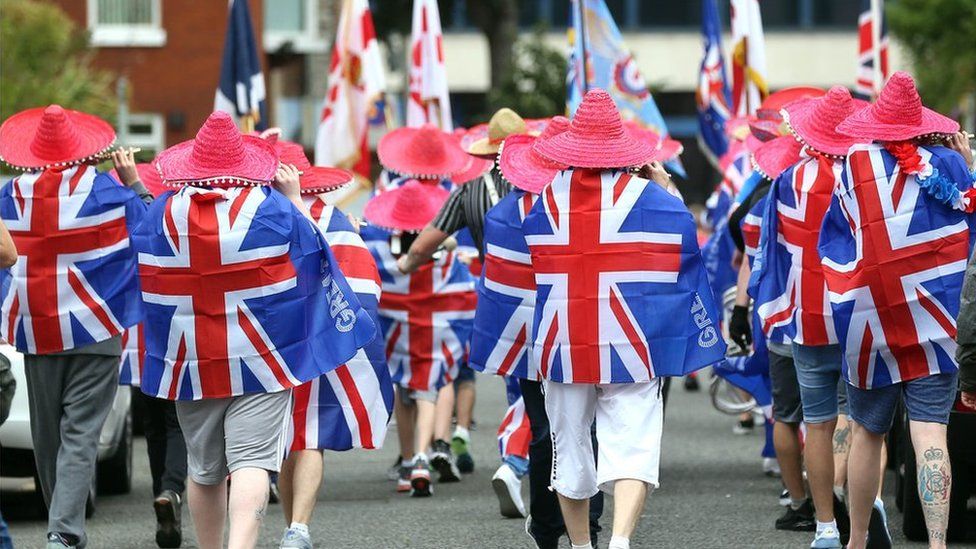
{"points": [[713, 495]]}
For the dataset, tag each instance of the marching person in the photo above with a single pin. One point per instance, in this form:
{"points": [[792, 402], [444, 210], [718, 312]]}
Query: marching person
{"points": [[67, 302], [8, 256], [894, 247], [606, 248], [244, 301]]}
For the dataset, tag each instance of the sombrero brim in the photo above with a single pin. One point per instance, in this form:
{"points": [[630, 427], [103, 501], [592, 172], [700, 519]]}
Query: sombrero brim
{"points": [[773, 157], [319, 179], [622, 151], [522, 167], [865, 125], [476, 168], [393, 154], [383, 209], [257, 167], [801, 119], [94, 139], [486, 147], [669, 149]]}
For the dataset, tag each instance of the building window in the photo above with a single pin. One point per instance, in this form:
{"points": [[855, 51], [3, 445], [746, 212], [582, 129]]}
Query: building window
{"points": [[126, 23], [294, 23], [146, 131]]}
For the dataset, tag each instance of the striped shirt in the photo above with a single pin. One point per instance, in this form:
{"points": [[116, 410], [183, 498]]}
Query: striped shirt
{"points": [[467, 206]]}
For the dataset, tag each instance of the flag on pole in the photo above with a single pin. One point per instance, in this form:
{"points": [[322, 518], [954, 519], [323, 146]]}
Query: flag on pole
{"points": [[872, 40], [713, 94], [749, 85], [428, 101], [596, 49], [241, 91], [355, 94]]}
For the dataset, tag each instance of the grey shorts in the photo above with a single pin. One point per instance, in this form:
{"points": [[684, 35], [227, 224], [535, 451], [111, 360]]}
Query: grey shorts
{"points": [[226, 434], [787, 407], [409, 397]]}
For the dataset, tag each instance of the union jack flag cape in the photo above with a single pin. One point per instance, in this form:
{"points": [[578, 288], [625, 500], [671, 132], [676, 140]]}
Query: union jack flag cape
{"points": [[75, 282], [789, 286], [350, 406], [133, 356], [622, 293], [894, 257], [425, 316], [736, 168], [514, 433], [242, 295], [501, 341]]}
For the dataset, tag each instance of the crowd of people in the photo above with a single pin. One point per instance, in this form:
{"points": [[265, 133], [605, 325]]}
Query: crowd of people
{"points": [[260, 325]]}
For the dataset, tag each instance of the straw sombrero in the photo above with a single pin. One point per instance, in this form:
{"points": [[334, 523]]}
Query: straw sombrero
{"points": [[898, 115], [423, 153], [814, 121], [46, 137], [502, 124], [523, 166], [409, 207], [773, 157]]}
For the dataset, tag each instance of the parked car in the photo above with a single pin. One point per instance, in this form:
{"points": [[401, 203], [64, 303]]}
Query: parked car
{"points": [[962, 458], [114, 473]]}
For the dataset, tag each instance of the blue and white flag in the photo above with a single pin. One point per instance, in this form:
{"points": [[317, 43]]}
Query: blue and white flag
{"points": [[713, 96], [241, 91]]}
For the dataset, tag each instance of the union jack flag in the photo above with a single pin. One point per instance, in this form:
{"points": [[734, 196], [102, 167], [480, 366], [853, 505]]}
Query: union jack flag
{"points": [[736, 168], [872, 49], [713, 96], [75, 282], [350, 406], [133, 356], [514, 433], [622, 293], [425, 316], [790, 291], [501, 341], [242, 295], [894, 259]]}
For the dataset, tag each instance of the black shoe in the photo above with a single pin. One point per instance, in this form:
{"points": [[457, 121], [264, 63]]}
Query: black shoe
{"points": [[442, 460], [691, 384], [58, 540], [169, 532], [843, 520], [798, 520]]}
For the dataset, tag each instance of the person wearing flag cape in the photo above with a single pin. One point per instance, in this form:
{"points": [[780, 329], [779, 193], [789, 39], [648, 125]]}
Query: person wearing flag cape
{"points": [[70, 295], [244, 300], [894, 246], [606, 248]]}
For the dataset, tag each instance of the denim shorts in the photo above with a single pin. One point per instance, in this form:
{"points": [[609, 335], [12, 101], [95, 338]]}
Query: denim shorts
{"points": [[927, 399], [818, 371]]}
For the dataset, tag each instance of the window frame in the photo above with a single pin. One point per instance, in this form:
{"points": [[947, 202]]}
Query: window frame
{"points": [[109, 35], [307, 40], [155, 140]]}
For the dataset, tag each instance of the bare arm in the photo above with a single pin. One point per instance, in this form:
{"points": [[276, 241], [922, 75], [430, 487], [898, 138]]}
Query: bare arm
{"points": [[422, 249], [8, 251], [742, 284], [287, 183]]}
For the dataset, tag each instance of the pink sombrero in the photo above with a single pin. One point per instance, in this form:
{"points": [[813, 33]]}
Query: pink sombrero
{"points": [[46, 137], [771, 106], [476, 168], [596, 138], [523, 166], [423, 153], [409, 207], [775, 156], [814, 121], [219, 156], [664, 149], [313, 179], [897, 115]]}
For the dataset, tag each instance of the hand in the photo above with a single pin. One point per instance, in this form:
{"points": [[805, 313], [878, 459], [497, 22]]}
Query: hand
{"points": [[403, 264], [655, 172], [125, 165], [466, 258], [356, 222], [959, 142], [969, 399], [740, 329], [286, 181]]}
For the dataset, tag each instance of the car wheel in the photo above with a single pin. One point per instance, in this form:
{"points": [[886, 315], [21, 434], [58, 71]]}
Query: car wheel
{"points": [[115, 473], [913, 521]]}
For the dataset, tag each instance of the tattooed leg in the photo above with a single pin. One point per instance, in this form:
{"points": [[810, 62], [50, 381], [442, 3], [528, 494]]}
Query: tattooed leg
{"points": [[934, 478], [248, 505], [842, 446]]}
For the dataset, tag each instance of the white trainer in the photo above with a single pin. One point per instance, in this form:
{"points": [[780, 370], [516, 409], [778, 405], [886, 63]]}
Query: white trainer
{"points": [[508, 488]]}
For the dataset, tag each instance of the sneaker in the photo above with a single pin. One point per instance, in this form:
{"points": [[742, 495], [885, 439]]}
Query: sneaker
{"points": [[798, 520], [459, 447], [691, 384], [771, 468], [393, 473], [508, 488], [878, 536], [295, 539], [784, 498], [442, 460], [403, 478], [57, 540], [169, 531], [420, 479], [842, 519], [828, 538], [744, 426]]}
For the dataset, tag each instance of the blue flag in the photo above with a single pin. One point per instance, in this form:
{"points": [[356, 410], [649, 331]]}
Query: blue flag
{"points": [[241, 90], [713, 95]]}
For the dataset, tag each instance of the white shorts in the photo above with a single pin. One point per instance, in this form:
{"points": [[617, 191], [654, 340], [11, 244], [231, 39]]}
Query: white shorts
{"points": [[629, 420]]}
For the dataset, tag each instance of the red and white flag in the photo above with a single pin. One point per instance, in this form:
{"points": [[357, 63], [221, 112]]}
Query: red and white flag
{"points": [[355, 94], [872, 50], [749, 85], [429, 102]]}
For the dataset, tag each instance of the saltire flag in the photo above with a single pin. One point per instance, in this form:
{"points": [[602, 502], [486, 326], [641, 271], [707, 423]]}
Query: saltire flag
{"points": [[425, 316], [622, 295], [872, 49], [514, 432], [598, 58], [354, 98], [894, 257], [501, 341], [713, 95], [749, 83], [133, 356], [789, 285], [428, 101], [241, 91], [75, 281], [242, 295], [350, 406]]}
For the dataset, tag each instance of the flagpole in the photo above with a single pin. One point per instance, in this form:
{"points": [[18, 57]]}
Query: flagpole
{"points": [[582, 18], [877, 13]]}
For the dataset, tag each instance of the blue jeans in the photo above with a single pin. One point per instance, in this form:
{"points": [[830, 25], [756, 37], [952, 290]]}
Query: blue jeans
{"points": [[518, 464], [818, 371], [927, 399], [5, 541]]}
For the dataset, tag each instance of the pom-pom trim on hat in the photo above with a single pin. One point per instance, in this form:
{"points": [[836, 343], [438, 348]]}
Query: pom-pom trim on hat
{"points": [[100, 155]]}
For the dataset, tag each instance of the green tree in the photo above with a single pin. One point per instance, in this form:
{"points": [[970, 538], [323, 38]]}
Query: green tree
{"points": [[939, 36], [535, 87], [44, 59]]}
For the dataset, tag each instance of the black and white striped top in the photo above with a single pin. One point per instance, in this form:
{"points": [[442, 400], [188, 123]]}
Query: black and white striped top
{"points": [[467, 206]]}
